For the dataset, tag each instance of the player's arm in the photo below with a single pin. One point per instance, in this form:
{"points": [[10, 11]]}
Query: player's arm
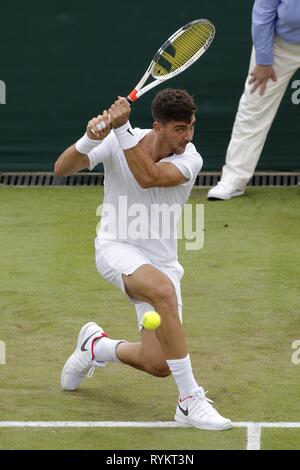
{"points": [[75, 158], [70, 161], [150, 174], [146, 172]]}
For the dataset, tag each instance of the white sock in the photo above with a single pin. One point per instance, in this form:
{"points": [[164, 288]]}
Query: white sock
{"points": [[183, 375], [105, 350]]}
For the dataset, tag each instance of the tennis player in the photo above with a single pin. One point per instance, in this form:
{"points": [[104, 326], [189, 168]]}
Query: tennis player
{"points": [[149, 166]]}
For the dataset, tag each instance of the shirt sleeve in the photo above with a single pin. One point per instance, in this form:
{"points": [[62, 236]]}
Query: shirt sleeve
{"points": [[102, 152], [189, 164], [264, 17]]}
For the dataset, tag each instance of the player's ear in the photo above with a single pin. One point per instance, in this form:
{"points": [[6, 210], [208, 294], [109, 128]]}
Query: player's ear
{"points": [[157, 127]]}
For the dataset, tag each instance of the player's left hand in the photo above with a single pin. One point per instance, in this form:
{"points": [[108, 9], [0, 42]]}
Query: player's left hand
{"points": [[119, 112], [99, 127]]}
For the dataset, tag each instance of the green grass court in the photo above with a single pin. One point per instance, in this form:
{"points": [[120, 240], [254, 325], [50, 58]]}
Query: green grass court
{"points": [[241, 315]]}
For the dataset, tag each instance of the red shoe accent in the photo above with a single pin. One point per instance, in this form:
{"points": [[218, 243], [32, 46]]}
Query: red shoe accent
{"points": [[180, 401], [103, 335]]}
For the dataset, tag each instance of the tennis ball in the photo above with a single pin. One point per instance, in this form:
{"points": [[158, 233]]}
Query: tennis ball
{"points": [[151, 320]]}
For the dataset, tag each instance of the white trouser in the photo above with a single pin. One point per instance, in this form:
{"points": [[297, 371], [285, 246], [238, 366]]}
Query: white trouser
{"points": [[256, 114]]}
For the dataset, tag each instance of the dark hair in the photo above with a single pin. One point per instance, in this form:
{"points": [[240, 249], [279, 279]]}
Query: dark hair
{"points": [[171, 104]]}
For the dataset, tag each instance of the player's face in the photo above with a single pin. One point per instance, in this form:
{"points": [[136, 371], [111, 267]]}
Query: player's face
{"points": [[177, 134]]}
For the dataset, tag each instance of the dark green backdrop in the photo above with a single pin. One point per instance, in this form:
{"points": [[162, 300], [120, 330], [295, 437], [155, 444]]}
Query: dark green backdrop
{"points": [[63, 61]]}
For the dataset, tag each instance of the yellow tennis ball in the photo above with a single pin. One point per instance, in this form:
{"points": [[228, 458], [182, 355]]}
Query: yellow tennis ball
{"points": [[151, 320]]}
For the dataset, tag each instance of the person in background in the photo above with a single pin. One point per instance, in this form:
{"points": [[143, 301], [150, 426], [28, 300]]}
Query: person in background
{"points": [[275, 58]]}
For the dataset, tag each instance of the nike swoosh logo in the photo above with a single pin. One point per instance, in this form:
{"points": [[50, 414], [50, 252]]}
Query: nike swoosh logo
{"points": [[84, 343], [129, 131], [185, 412]]}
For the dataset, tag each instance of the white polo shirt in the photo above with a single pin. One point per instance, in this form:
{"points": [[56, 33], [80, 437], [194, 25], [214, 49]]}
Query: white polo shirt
{"points": [[146, 218]]}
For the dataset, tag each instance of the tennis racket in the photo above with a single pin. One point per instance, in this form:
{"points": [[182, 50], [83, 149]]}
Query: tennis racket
{"points": [[178, 53]]}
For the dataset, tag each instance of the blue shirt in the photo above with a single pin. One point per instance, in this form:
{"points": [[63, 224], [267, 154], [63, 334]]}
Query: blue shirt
{"points": [[270, 17]]}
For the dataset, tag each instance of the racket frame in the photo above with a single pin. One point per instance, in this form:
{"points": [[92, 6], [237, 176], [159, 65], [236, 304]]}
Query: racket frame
{"points": [[139, 90]]}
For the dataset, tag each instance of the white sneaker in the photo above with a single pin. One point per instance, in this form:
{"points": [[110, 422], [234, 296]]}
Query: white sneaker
{"points": [[224, 191], [198, 412], [81, 363]]}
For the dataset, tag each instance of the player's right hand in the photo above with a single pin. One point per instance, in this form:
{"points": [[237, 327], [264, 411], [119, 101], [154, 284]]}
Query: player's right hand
{"points": [[94, 130], [119, 112]]}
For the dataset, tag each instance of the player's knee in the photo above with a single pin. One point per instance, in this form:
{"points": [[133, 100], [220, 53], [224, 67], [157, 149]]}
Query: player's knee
{"points": [[165, 292]]}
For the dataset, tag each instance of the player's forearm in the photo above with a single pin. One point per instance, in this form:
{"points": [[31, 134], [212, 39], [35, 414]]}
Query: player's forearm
{"points": [[70, 161], [140, 163], [75, 158], [141, 166]]}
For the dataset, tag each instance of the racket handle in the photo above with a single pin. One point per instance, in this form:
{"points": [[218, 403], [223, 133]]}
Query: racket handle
{"points": [[131, 98], [101, 126]]}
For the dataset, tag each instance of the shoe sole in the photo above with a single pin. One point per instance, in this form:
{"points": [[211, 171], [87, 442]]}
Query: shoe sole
{"points": [[225, 426], [215, 198]]}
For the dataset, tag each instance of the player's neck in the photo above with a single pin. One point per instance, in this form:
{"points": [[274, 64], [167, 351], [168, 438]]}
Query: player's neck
{"points": [[156, 147]]}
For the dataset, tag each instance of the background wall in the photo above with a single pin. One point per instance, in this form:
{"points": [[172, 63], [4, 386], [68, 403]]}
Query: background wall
{"points": [[64, 61]]}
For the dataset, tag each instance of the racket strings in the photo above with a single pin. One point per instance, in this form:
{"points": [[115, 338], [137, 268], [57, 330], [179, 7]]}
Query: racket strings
{"points": [[187, 47]]}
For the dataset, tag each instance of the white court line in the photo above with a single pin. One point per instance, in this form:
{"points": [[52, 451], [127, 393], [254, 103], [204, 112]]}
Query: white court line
{"points": [[89, 424], [131, 424], [253, 436], [253, 428], [288, 424]]}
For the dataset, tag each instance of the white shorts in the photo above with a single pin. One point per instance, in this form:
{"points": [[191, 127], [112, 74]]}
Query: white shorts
{"points": [[116, 258]]}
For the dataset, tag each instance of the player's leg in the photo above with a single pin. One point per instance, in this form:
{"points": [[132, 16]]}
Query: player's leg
{"points": [[193, 408], [94, 348], [158, 289], [147, 355], [151, 285], [157, 353], [112, 259], [155, 290]]}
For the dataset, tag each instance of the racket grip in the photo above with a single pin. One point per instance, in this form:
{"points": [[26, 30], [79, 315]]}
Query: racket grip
{"points": [[132, 96], [101, 126]]}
